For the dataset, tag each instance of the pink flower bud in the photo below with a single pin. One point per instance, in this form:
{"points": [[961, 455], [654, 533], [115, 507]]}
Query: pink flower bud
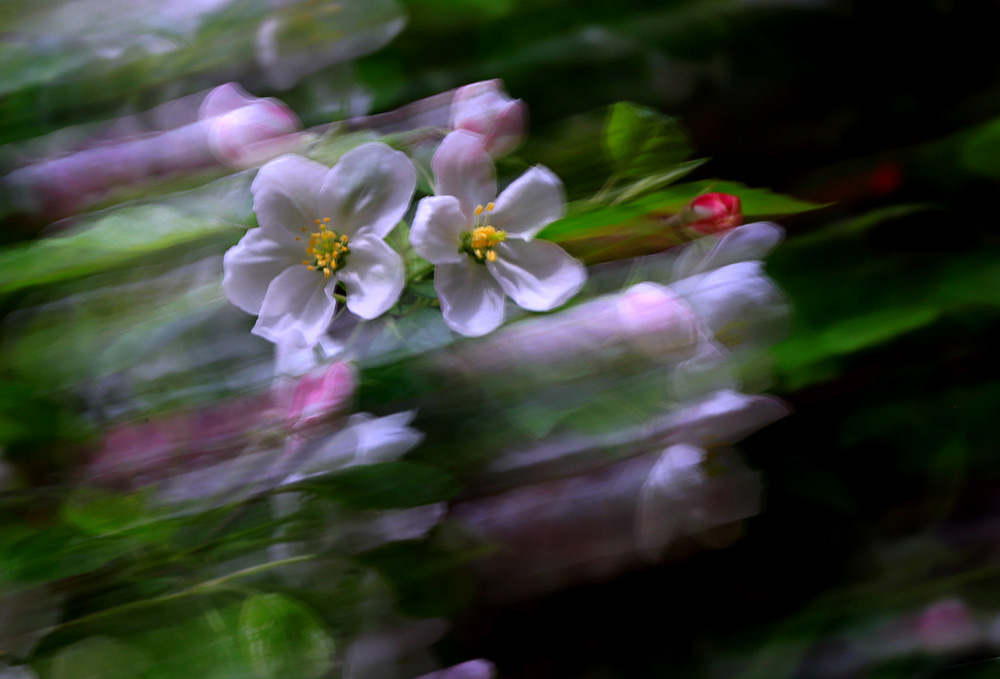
{"points": [[319, 396], [713, 213], [245, 131], [484, 108]]}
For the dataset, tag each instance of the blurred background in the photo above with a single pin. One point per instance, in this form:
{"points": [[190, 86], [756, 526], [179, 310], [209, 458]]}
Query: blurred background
{"points": [[869, 130]]}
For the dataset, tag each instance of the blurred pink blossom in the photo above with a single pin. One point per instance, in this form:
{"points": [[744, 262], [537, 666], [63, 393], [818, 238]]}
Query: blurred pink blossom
{"points": [[134, 453], [319, 396], [947, 626]]}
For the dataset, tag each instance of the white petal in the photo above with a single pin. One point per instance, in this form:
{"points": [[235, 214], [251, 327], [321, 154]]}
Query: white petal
{"points": [[738, 303], [668, 498], [254, 262], [383, 439], [463, 169], [471, 300], [744, 243], [365, 440], [373, 276], [538, 275], [296, 302], [723, 418], [437, 229], [285, 193], [368, 190], [531, 203]]}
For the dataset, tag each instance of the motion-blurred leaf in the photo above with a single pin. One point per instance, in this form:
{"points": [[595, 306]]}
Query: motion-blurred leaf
{"points": [[118, 238], [99, 658], [386, 485], [279, 637], [641, 141]]}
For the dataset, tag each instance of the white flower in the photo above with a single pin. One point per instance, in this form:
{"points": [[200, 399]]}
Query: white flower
{"points": [[320, 228], [484, 249]]}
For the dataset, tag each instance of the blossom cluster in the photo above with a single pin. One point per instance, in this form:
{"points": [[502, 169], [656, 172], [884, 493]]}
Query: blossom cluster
{"points": [[320, 242], [321, 234]]}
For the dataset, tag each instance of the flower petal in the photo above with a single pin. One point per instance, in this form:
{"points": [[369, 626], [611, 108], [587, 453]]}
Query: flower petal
{"points": [[744, 243], [254, 262], [373, 276], [285, 193], [296, 302], [368, 190], [463, 169], [533, 201], [437, 230], [538, 275], [471, 300]]}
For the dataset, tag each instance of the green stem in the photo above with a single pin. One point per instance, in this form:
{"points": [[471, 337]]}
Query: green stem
{"points": [[420, 273], [200, 588], [606, 188]]}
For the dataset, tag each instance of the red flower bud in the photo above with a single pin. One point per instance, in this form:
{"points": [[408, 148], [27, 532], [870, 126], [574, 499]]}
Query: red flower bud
{"points": [[713, 213]]}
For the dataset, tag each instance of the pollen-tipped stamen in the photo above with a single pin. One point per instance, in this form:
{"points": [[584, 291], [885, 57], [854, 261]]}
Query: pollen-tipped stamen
{"points": [[327, 248], [480, 241]]}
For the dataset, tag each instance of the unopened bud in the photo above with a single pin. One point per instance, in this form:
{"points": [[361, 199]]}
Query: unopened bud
{"points": [[245, 131], [713, 213], [484, 108]]}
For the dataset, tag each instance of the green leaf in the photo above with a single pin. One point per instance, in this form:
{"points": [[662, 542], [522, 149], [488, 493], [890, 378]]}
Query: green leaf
{"points": [[586, 218], [279, 637], [980, 152], [114, 239], [386, 485], [101, 512], [640, 141], [98, 658], [430, 578]]}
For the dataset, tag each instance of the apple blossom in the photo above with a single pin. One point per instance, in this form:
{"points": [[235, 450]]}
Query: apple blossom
{"points": [[321, 228], [483, 250]]}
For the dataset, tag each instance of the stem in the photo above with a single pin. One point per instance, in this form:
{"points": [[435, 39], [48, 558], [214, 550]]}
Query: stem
{"points": [[340, 298], [200, 588], [606, 188], [420, 273]]}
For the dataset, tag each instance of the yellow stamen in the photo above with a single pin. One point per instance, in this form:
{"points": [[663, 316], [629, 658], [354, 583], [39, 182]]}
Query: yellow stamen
{"points": [[482, 238], [326, 250]]}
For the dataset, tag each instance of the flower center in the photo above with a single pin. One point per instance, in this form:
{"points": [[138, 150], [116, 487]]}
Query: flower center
{"points": [[480, 241], [327, 250]]}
